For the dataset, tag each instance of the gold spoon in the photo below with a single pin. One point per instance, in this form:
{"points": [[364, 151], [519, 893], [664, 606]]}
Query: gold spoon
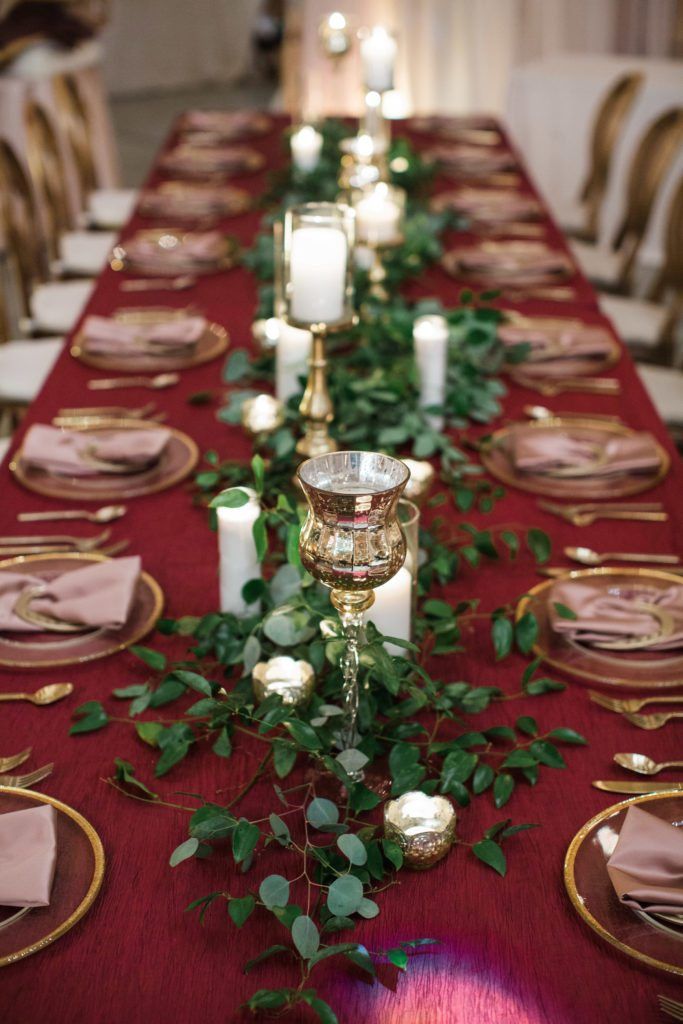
{"points": [[586, 556], [173, 284], [45, 695], [106, 514], [643, 764], [161, 380], [540, 412]]}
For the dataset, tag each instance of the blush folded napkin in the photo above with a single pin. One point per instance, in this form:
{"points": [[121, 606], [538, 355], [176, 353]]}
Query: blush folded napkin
{"points": [[28, 851], [646, 867], [512, 262], [196, 200], [108, 336], [65, 452], [208, 158], [99, 594], [601, 616], [550, 343], [218, 120], [543, 451], [193, 247], [496, 204]]}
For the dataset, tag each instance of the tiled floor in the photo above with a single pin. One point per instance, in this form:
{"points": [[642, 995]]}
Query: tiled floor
{"points": [[142, 122]]}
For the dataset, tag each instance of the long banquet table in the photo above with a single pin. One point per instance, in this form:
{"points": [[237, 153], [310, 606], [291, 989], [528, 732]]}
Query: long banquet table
{"points": [[509, 949]]}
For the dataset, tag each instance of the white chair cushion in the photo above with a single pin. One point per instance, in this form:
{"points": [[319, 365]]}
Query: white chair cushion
{"points": [[111, 207], [597, 263], [57, 305], [665, 387], [636, 321], [571, 217], [85, 252], [24, 366], [5, 442]]}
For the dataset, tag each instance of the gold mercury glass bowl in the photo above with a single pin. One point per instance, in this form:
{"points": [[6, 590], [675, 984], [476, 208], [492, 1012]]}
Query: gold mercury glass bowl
{"points": [[292, 680], [262, 414], [423, 826]]}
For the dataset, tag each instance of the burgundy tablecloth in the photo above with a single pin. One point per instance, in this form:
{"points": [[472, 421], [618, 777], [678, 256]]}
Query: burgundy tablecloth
{"points": [[510, 949]]}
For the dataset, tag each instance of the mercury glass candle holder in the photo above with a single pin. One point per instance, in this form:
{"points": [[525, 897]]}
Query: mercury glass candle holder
{"points": [[262, 414], [293, 681], [421, 479], [423, 826], [265, 333], [335, 35], [317, 296], [352, 542]]}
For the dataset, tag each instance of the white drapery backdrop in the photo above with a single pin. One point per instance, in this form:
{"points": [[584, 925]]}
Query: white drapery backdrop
{"points": [[456, 55]]}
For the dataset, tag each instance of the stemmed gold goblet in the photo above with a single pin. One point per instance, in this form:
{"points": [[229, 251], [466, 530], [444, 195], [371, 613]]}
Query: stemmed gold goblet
{"points": [[352, 542]]}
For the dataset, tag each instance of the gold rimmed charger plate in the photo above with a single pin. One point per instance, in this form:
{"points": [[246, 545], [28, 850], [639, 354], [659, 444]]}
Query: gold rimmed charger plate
{"points": [[565, 364], [455, 263], [78, 877], [190, 164], [53, 650], [498, 462], [635, 668], [176, 462], [227, 129], [212, 344], [180, 196], [159, 267], [595, 901]]}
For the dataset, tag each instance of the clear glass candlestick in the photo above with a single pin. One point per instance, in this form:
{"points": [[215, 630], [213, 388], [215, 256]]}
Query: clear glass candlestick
{"points": [[317, 295], [352, 542]]}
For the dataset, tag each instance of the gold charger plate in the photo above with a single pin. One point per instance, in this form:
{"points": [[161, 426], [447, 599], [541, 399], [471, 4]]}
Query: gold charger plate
{"points": [[78, 877], [193, 200], [176, 462], [50, 649], [641, 669], [497, 461], [594, 899], [226, 127], [156, 265], [188, 161], [212, 344]]}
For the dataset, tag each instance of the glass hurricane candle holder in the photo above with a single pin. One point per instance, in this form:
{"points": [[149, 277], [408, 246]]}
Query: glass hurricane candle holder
{"points": [[421, 479], [423, 826], [380, 215], [293, 681], [352, 542], [378, 50], [317, 296]]}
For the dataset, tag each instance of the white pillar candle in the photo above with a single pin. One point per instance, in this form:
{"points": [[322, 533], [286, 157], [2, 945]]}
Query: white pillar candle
{"points": [[391, 611], [317, 271], [430, 338], [238, 562], [378, 53], [377, 217], [306, 145], [291, 359]]}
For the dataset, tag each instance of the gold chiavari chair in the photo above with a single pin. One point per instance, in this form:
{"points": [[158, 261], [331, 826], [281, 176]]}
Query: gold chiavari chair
{"points": [[47, 173], [73, 116], [19, 218], [613, 269], [609, 121]]}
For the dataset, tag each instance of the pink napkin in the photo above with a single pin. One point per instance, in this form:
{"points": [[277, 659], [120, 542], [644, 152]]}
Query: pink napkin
{"points": [[550, 343], [105, 335], [28, 851], [208, 158], [193, 247], [493, 204], [99, 594], [646, 868], [62, 451], [197, 200], [219, 120], [539, 450], [601, 616]]}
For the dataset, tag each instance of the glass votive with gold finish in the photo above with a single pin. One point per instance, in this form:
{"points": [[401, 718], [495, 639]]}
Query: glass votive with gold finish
{"points": [[262, 414], [423, 826], [265, 333], [421, 479], [293, 681]]}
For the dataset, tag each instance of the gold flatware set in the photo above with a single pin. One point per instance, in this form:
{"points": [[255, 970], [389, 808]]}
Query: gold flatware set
{"points": [[153, 284], [48, 694], [106, 514], [541, 412], [586, 513], [41, 544], [671, 1007], [158, 382], [586, 556], [28, 779], [589, 385]]}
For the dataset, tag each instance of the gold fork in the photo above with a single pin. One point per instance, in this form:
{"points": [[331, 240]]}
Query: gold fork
{"points": [[27, 780], [671, 1007], [591, 385], [623, 704], [8, 763], [59, 539], [655, 721], [588, 518]]}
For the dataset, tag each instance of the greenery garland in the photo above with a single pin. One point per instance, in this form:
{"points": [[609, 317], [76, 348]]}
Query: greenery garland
{"points": [[416, 726]]}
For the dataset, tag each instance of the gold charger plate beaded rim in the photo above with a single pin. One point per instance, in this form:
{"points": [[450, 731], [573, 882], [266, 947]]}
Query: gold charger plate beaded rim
{"points": [[212, 344], [50, 485], [95, 883], [530, 601], [491, 451], [146, 625], [155, 264], [577, 901]]}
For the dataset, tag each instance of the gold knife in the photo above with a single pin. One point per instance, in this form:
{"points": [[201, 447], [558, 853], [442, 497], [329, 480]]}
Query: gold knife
{"points": [[616, 786]]}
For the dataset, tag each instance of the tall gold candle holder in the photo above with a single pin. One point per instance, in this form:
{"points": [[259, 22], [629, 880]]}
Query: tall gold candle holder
{"points": [[317, 296], [352, 542], [380, 216]]}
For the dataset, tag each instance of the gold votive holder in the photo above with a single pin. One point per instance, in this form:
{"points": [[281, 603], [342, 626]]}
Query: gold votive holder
{"points": [[421, 479], [293, 681], [265, 333], [423, 826], [262, 414]]}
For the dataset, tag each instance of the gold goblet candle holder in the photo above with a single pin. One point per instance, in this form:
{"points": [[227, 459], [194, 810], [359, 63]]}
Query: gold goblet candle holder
{"points": [[317, 296], [380, 215], [423, 826], [352, 542]]}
